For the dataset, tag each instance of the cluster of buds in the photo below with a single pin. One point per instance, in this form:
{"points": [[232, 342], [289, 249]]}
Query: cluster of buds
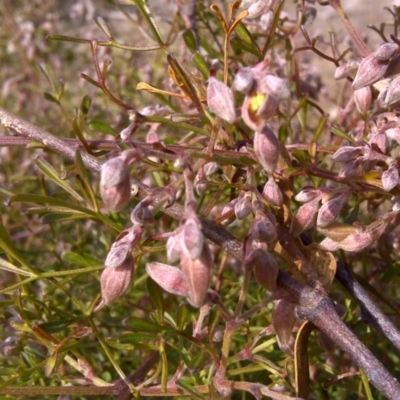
{"points": [[351, 157], [311, 213], [257, 256], [354, 238], [119, 264], [188, 246], [381, 69], [262, 9]]}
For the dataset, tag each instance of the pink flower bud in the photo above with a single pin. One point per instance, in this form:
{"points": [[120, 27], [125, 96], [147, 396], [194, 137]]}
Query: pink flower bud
{"points": [[174, 246], [197, 274], [262, 229], [305, 217], [244, 80], [346, 69], [141, 214], [115, 184], [370, 71], [356, 242], [390, 178], [264, 266], [220, 100], [171, 279], [329, 244], [192, 236], [347, 153], [122, 247], [243, 205], [393, 92], [379, 141], [278, 87], [385, 51], [115, 281], [363, 99], [257, 8], [266, 149], [272, 193], [331, 209], [200, 181], [307, 194], [283, 320], [349, 169]]}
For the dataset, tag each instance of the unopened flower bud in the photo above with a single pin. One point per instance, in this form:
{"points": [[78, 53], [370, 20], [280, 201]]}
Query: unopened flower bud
{"points": [[370, 71], [308, 193], [262, 229], [243, 205], [257, 8], [229, 211], [347, 153], [197, 274], [115, 281], [220, 100], [277, 86], [379, 141], [390, 178], [393, 92], [385, 51], [115, 185], [264, 266], [192, 236], [305, 217], [331, 209], [345, 69], [356, 242], [363, 99], [244, 80], [141, 214], [171, 279], [200, 181], [272, 193], [266, 149], [122, 247], [283, 320]]}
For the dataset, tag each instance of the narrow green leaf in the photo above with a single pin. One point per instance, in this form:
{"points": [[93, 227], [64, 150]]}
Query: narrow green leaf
{"points": [[156, 295], [139, 337], [59, 217], [100, 126], [190, 40], [103, 26], [7, 266], [188, 386], [146, 14], [85, 181], [141, 325], [79, 259], [338, 132], [85, 105], [185, 80], [57, 326], [7, 245], [201, 65], [51, 364], [52, 201], [62, 38], [53, 175], [239, 45], [48, 96]]}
